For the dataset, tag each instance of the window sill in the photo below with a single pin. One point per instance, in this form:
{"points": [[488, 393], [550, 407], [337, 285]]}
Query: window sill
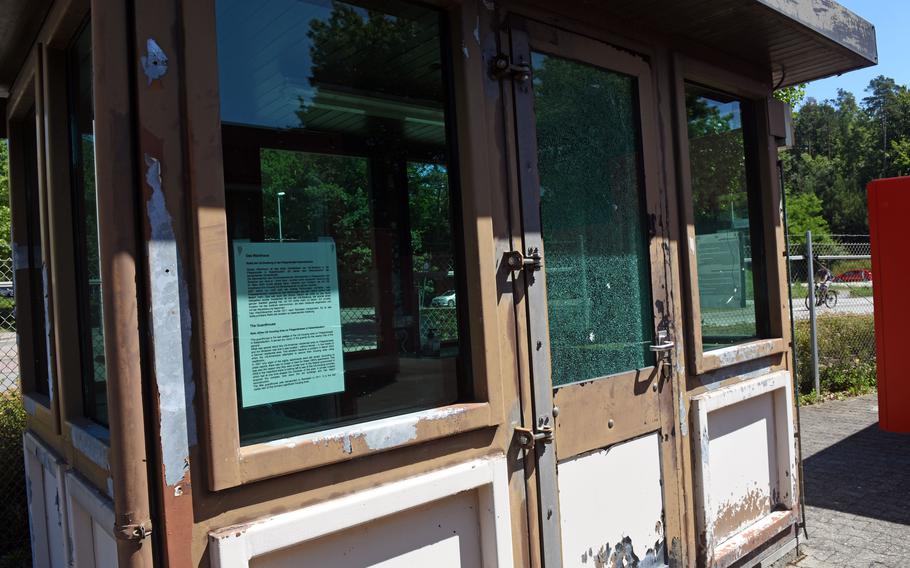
{"points": [[299, 453], [736, 354]]}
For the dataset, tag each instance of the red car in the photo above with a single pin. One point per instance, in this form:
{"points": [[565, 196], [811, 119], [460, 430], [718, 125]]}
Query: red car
{"points": [[855, 276]]}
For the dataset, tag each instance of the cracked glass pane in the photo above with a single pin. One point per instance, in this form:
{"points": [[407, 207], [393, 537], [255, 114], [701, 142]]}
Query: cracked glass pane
{"points": [[593, 220]]}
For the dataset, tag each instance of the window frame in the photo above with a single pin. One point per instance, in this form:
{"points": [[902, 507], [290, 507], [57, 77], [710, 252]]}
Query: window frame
{"points": [[764, 189], [59, 421], [231, 464], [25, 105]]}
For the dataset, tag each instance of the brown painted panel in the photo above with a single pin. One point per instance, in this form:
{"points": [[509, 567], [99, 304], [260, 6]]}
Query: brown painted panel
{"points": [[598, 413]]}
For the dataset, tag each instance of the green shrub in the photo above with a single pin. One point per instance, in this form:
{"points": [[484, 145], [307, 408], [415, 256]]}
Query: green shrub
{"points": [[846, 355], [14, 539]]}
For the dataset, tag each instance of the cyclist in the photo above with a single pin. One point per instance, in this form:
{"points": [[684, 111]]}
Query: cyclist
{"points": [[824, 282]]}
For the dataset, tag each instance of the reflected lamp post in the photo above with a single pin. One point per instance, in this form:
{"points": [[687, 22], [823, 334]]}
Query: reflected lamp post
{"points": [[280, 233]]}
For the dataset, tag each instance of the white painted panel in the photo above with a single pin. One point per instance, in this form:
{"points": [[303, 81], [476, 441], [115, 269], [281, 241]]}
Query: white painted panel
{"points": [[442, 534], [46, 500], [91, 521], [105, 547], [53, 511], [611, 505], [456, 516], [743, 468]]}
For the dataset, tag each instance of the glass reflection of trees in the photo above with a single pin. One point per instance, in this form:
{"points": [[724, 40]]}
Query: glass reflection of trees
{"points": [[361, 157]]}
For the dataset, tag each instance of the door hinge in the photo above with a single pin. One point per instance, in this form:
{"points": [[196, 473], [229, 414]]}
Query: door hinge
{"points": [[532, 261], [502, 67], [527, 438]]}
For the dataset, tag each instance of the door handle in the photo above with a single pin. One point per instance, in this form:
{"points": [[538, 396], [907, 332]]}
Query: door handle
{"points": [[662, 347]]}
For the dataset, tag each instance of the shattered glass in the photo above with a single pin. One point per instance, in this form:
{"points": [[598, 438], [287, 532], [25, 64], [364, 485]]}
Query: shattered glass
{"points": [[593, 218]]}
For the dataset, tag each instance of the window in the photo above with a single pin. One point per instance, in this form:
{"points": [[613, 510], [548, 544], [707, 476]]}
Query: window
{"points": [[85, 224], [33, 255], [342, 213], [728, 226]]}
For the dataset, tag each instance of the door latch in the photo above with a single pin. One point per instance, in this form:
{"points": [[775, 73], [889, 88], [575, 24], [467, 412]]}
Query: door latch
{"points": [[517, 261], [662, 345], [527, 438], [502, 67]]}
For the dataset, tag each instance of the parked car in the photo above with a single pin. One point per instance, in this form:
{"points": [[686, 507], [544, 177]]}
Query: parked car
{"points": [[862, 275], [6, 290], [447, 299]]}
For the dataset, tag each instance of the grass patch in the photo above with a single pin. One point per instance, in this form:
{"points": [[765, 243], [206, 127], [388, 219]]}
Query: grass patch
{"points": [[846, 357], [14, 540]]}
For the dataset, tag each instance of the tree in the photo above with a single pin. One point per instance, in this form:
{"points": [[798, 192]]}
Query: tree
{"points": [[5, 228], [804, 213]]}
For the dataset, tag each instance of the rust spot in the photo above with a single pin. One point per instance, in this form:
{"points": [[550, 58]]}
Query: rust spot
{"points": [[733, 517]]}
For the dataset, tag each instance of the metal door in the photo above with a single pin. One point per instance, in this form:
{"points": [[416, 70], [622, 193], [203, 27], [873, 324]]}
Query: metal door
{"points": [[595, 264]]}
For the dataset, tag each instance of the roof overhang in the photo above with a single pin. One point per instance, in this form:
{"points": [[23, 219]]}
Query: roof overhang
{"points": [[795, 41]]}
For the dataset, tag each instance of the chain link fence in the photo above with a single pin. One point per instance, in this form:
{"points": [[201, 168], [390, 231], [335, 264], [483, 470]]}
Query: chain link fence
{"points": [[14, 540], [845, 334]]}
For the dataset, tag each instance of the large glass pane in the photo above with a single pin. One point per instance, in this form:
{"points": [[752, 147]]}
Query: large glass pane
{"points": [[594, 220], [340, 211], [36, 275], [85, 222], [723, 225]]}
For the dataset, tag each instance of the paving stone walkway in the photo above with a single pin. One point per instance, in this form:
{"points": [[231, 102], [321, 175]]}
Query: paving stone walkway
{"points": [[857, 483]]}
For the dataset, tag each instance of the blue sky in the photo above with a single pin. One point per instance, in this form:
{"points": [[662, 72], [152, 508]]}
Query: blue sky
{"points": [[891, 19]]}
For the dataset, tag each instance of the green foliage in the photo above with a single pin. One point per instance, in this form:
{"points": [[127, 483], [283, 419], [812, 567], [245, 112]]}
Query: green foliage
{"points": [[793, 96], [841, 145], [846, 356], [14, 539], [5, 232], [804, 213]]}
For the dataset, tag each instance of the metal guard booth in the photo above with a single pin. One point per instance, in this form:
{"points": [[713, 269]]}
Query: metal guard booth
{"points": [[477, 283]]}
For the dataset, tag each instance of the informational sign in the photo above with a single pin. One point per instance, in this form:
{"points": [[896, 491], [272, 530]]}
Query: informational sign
{"points": [[288, 321]]}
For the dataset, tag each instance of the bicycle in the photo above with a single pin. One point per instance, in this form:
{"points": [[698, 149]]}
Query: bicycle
{"points": [[827, 299]]}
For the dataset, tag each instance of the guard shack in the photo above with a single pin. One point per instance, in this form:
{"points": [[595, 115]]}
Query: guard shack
{"points": [[439, 283]]}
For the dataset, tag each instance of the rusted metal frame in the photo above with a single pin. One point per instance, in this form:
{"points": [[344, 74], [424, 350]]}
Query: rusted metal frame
{"points": [[230, 464], [641, 401], [157, 86], [677, 461], [115, 182], [520, 307], [535, 301]]}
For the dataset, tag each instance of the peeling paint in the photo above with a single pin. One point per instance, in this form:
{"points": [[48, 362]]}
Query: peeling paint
{"points": [[377, 435], [48, 330], [683, 416], [622, 555], [154, 62], [88, 441], [170, 331]]}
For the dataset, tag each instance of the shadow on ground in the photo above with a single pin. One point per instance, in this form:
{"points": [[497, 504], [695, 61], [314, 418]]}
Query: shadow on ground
{"points": [[865, 474]]}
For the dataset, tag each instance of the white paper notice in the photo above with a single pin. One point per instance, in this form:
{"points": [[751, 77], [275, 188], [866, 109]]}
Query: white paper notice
{"points": [[288, 321]]}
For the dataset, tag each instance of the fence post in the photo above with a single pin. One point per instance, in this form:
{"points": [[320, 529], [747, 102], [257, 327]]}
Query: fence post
{"points": [[813, 331]]}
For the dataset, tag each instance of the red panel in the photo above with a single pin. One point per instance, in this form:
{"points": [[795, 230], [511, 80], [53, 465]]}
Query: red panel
{"points": [[889, 225]]}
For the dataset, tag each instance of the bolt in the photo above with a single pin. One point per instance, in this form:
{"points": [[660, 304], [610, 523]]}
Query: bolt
{"points": [[610, 423]]}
